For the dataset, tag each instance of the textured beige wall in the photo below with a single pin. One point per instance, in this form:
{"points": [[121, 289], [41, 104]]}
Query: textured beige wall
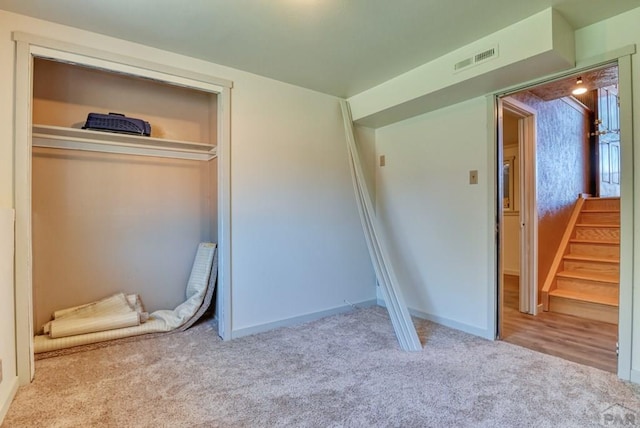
{"points": [[563, 171], [104, 223]]}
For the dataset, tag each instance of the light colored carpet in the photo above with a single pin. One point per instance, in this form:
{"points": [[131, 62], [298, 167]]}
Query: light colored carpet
{"points": [[341, 371]]}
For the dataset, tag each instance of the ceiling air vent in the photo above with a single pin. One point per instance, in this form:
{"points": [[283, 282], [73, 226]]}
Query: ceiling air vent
{"points": [[482, 56], [476, 59], [464, 63]]}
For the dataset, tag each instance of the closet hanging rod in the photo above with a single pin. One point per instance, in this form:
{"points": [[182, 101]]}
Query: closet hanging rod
{"points": [[95, 141]]}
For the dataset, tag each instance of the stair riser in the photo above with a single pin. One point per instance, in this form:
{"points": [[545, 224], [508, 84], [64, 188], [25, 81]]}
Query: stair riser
{"points": [[588, 287], [594, 267], [602, 204], [593, 311], [598, 233], [600, 218], [594, 249]]}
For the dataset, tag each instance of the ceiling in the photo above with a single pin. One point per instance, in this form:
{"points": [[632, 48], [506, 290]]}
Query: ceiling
{"points": [[339, 47], [594, 79]]}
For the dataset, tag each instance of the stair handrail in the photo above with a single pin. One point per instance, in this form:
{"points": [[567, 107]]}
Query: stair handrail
{"points": [[562, 251]]}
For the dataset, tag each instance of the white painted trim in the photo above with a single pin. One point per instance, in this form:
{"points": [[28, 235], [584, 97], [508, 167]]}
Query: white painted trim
{"points": [[494, 279], [606, 57], [385, 275], [8, 398], [634, 376], [512, 180], [484, 333], [85, 53], [293, 321], [79, 139], [576, 105], [101, 64], [629, 233], [22, 201], [224, 303], [480, 332], [528, 204]]}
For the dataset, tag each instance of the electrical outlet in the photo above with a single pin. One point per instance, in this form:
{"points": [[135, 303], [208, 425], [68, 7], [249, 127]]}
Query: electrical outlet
{"points": [[473, 177], [383, 160]]}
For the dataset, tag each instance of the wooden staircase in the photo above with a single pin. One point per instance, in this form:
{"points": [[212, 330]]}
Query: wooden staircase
{"points": [[585, 275]]}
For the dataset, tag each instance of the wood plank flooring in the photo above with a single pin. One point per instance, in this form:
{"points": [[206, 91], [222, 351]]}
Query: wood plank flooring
{"points": [[592, 343]]}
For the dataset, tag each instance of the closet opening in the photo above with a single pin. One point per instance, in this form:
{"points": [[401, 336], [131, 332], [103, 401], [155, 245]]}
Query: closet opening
{"points": [[106, 223], [101, 213]]}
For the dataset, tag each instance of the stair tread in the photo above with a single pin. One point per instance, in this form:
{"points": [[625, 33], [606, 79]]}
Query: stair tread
{"points": [[585, 258], [590, 276], [599, 210], [585, 297], [595, 241], [601, 198], [604, 225]]}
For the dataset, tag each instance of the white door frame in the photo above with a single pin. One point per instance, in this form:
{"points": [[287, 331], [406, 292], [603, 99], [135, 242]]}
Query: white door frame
{"points": [[29, 47], [528, 205], [629, 215], [629, 156]]}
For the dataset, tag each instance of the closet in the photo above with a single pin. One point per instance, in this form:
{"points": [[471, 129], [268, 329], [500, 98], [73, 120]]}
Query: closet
{"points": [[114, 212], [98, 212]]}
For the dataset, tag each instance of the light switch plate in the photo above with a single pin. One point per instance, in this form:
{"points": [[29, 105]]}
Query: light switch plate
{"points": [[383, 160], [473, 176]]}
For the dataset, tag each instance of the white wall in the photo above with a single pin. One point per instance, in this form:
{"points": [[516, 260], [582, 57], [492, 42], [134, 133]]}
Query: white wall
{"points": [[436, 222], [597, 39], [366, 144], [297, 243]]}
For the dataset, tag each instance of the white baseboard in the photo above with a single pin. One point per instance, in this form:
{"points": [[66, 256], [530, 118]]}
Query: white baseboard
{"points": [[7, 397], [484, 333], [300, 319]]}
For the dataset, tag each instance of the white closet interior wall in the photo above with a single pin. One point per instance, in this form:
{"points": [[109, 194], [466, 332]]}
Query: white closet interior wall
{"points": [[104, 222]]}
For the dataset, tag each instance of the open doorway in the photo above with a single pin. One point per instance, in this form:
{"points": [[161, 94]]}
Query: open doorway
{"points": [[519, 206], [560, 218]]}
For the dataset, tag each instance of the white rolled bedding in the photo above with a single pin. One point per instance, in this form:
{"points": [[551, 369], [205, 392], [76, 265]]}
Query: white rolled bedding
{"points": [[121, 316]]}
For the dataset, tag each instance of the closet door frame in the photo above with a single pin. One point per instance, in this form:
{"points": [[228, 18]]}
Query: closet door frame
{"points": [[28, 47]]}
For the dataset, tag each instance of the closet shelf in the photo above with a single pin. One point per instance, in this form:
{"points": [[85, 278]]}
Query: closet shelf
{"points": [[95, 141]]}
